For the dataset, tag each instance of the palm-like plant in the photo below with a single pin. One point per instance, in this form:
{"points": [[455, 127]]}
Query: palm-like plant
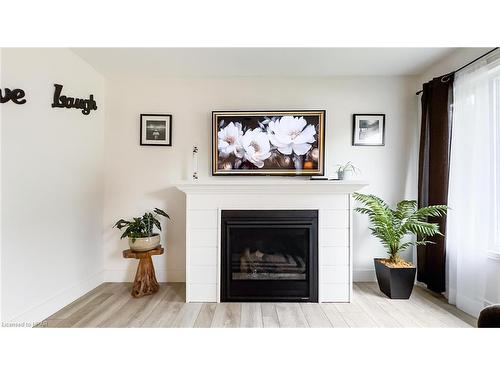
{"points": [[391, 226]]}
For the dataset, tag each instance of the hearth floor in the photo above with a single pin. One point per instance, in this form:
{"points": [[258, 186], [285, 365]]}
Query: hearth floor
{"points": [[111, 305]]}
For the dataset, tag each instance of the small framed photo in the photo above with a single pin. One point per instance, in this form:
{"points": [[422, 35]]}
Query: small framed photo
{"points": [[156, 130], [368, 130]]}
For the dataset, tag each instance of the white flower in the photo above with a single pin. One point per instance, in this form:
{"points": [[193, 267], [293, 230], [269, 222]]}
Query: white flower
{"points": [[256, 146], [230, 140], [291, 134]]}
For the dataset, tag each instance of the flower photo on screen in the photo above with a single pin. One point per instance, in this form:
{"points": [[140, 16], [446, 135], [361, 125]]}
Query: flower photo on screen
{"points": [[268, 143]]}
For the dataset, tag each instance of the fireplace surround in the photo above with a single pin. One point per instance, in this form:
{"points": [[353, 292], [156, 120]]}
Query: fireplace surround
{"points": [[207, 200], [269, 255]]}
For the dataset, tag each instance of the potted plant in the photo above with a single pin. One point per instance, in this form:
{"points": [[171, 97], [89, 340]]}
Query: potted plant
{"points": [[344, 171], [396, 276], [139, 230]]}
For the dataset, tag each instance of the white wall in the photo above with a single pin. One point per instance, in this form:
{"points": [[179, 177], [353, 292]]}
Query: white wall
{"points": [[52, 184], [139, 178]]}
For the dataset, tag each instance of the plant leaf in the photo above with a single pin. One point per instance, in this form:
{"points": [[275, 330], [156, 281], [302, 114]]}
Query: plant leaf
{"points": [[161, 212]]}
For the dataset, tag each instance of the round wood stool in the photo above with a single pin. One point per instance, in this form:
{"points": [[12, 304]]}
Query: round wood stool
{"points": [[145, 279]]}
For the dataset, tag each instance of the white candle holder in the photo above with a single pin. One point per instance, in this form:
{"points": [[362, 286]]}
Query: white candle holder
{"points": [[195, 163]]}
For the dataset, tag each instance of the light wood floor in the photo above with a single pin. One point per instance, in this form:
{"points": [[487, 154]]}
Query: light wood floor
{"points": [[110, 305]]}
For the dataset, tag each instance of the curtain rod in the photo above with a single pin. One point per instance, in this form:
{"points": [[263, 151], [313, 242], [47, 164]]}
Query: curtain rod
{"points": [[466, 65]]}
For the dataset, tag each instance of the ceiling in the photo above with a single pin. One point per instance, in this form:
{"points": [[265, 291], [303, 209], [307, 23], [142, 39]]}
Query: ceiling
{"points": [[260, 62]]}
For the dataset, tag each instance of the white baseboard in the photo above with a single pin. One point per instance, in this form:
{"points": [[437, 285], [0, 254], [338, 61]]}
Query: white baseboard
{"points": [[364, 275], [162, 275], [53, 304]]}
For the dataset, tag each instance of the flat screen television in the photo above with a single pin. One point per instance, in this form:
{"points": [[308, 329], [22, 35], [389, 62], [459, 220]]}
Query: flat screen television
{"points": [[279, 143]]}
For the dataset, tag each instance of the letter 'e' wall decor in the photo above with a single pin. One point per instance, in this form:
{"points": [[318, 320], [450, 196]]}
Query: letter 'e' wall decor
{"points": [[63, 101], [16, 96]]}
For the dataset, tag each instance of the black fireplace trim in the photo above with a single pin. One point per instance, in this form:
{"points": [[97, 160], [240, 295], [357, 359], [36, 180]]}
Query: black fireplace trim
{"points": [[262, 217]]}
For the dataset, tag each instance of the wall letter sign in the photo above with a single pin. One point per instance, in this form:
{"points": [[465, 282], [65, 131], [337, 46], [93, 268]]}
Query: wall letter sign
{"points": [[62, 101], [16, 96]]}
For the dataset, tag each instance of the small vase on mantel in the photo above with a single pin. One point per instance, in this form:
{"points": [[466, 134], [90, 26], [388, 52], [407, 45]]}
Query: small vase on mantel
{"points": [[346, 171]]}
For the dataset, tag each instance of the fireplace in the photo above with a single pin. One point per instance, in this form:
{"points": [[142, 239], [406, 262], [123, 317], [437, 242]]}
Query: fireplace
{"points": [[330, 280], [269, 255]]}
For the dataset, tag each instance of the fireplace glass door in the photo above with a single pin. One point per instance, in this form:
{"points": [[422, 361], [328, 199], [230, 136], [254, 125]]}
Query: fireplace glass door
{"points": [[269, 255], [269, 252]]}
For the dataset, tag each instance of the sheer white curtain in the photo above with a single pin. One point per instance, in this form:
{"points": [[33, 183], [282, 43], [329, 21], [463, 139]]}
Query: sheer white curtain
{"points": [[472, 224]]}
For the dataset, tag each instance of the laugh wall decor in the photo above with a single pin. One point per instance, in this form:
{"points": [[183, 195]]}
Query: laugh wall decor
{"points": [[280, 143], [16, 96], [63, 101]]}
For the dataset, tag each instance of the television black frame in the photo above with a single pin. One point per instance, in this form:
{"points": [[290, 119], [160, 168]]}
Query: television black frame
{"points": [[256, 172]]}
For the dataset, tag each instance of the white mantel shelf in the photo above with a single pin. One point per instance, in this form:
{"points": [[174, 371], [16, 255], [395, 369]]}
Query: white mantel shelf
{"points": [[282, 186]]}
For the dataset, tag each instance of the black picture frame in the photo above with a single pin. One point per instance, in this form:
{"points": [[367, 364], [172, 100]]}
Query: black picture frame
{"points": [[143, 132], [245, 115], [356, 120]]}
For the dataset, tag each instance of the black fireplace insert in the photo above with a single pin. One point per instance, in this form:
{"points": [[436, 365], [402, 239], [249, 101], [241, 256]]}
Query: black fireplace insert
{"points": [[269, 255]]}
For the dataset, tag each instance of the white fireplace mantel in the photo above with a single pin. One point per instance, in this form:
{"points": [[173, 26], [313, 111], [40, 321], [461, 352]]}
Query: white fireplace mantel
{"points": [[283, 186], [206, 199]]}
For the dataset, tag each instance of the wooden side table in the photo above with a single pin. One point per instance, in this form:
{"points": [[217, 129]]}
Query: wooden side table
{"points": [[145, 279]]}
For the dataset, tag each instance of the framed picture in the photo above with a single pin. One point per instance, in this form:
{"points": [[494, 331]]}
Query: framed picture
{"points": [[156, 130], [368, 130], [268, 143]]}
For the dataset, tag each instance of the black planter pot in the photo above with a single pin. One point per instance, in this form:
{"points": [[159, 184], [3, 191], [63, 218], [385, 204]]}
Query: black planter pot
{"points": [[395, 283]]}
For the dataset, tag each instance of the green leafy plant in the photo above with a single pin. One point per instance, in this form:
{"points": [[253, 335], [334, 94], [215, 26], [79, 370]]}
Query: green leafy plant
{"points": [[347, 167], [140, 227], [391, 226]]}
